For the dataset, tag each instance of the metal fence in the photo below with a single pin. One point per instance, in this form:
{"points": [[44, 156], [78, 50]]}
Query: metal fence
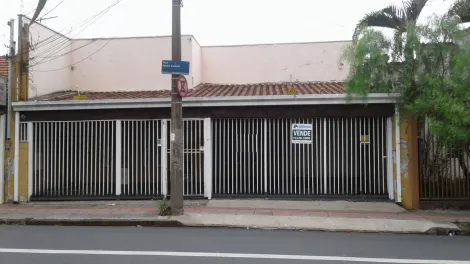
{"points": [[343, 156], [444, 169]]}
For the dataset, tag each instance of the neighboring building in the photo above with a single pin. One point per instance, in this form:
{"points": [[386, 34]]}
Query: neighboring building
{"points": [[260, 121]]}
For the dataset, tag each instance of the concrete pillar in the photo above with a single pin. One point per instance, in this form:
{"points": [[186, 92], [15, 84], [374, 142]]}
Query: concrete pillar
{"points": [[409, 162], [407, 182]]}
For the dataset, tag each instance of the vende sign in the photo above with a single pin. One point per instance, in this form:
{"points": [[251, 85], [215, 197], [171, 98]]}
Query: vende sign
{"points": [[301, 134]]}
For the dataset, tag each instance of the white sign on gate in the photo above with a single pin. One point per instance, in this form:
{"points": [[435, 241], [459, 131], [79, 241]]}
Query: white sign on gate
{"points": [[301, 134]]}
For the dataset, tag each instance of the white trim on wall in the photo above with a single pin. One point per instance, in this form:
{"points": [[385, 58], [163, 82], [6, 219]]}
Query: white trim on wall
{"points": [[317, 99]]}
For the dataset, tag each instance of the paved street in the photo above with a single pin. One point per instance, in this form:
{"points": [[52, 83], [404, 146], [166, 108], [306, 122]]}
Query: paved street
{"points": [[119, 245]]}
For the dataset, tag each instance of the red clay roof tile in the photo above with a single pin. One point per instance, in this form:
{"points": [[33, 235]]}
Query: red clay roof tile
{"points": [[211, 90], [3, 66]]}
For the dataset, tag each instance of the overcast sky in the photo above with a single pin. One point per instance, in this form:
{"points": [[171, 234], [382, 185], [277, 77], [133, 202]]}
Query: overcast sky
{"points": [[212, 22]]}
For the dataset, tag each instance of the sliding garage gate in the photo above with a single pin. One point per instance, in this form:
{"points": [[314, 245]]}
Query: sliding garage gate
{"points": [[342, 156], [73, 159], [77, 159]]}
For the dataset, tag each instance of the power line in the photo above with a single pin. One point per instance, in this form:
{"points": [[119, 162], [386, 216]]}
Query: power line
{"points": [[60, 46], [79, 60], [52, 9], [55, 37], [59, 56]]}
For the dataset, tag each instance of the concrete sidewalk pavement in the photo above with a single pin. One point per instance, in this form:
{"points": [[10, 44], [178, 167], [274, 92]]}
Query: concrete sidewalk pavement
{"points": [[269, 214]]}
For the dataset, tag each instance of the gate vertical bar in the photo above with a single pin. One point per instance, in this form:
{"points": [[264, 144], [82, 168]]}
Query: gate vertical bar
{"points": [[118, 157], [36, 186], [325, 158], [376, 159], [2, 157], [223, 178], [53, 158], [265, 154], [237, 159], [99, 140], [232, 154], [164, 157], [138, 158], [277, 133], [60, 175], [317, 156], [390, 187], [75, 157], [343, 162], [208, 158], [368, 156], [30, 158]]}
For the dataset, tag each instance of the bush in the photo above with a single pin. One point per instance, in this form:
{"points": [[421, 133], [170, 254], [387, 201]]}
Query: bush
{"points": [[164, 208]]}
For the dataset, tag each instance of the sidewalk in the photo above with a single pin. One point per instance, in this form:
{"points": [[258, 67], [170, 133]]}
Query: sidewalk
{"points": [[267, 214]]}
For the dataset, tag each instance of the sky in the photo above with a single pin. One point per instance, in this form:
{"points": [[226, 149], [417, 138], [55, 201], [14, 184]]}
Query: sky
{"points": [[212, 22]]}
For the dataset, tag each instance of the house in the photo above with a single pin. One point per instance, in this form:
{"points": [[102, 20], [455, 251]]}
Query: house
{"points": [[259, 121]]}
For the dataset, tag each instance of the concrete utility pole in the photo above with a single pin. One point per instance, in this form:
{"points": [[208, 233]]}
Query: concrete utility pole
{"points": [[11, 55], [176, 135]]}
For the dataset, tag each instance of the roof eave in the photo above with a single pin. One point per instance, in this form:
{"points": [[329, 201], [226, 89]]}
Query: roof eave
{"points": [[318, 99]]}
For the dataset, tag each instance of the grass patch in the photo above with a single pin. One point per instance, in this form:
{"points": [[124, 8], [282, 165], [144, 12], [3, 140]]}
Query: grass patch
{"points": [[465, 226], [164, 208]]}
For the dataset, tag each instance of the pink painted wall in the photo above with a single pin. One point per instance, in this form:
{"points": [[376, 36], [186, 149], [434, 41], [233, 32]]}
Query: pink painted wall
{"points": [[134, 64]]}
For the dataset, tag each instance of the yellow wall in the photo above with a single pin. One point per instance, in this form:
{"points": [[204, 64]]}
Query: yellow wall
{"points": [[23, 172], [409, 162]]}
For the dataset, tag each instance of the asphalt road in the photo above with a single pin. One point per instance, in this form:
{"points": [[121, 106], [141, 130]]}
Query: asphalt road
{"points": [[119, 245]]}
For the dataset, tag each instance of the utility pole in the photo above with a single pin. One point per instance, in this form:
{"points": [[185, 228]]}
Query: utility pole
{"points": [[176, 136], [11, 55]]}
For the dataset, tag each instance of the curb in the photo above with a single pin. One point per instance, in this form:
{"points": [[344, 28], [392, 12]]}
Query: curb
{"points": [[91, 222], [175, 223], [439, 231]]}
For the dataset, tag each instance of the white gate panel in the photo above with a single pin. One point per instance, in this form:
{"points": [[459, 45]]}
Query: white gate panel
{"points": [[73, 159], [356, 156], [238, 156], [294, 169], [346, 156], [141, 158]]}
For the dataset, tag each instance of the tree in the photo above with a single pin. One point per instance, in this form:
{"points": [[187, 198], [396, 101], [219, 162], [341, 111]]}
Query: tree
{"points": [[461, 8], [433, 81], [393, 17]]}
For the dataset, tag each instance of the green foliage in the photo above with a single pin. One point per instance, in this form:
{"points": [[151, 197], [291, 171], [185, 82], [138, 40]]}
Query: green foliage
{"points": [[431, 73], [164, 208]]}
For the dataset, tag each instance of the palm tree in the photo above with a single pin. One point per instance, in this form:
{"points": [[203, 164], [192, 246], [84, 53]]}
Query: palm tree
{"points": [[39, 8], [393, 17], [461, 8]]}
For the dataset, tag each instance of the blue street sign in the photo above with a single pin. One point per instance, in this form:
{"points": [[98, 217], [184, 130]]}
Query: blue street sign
{"points": [[175, 67]]}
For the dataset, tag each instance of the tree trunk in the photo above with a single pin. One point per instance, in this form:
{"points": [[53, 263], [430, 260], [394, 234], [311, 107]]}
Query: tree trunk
{"points": [[463, 162]]}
